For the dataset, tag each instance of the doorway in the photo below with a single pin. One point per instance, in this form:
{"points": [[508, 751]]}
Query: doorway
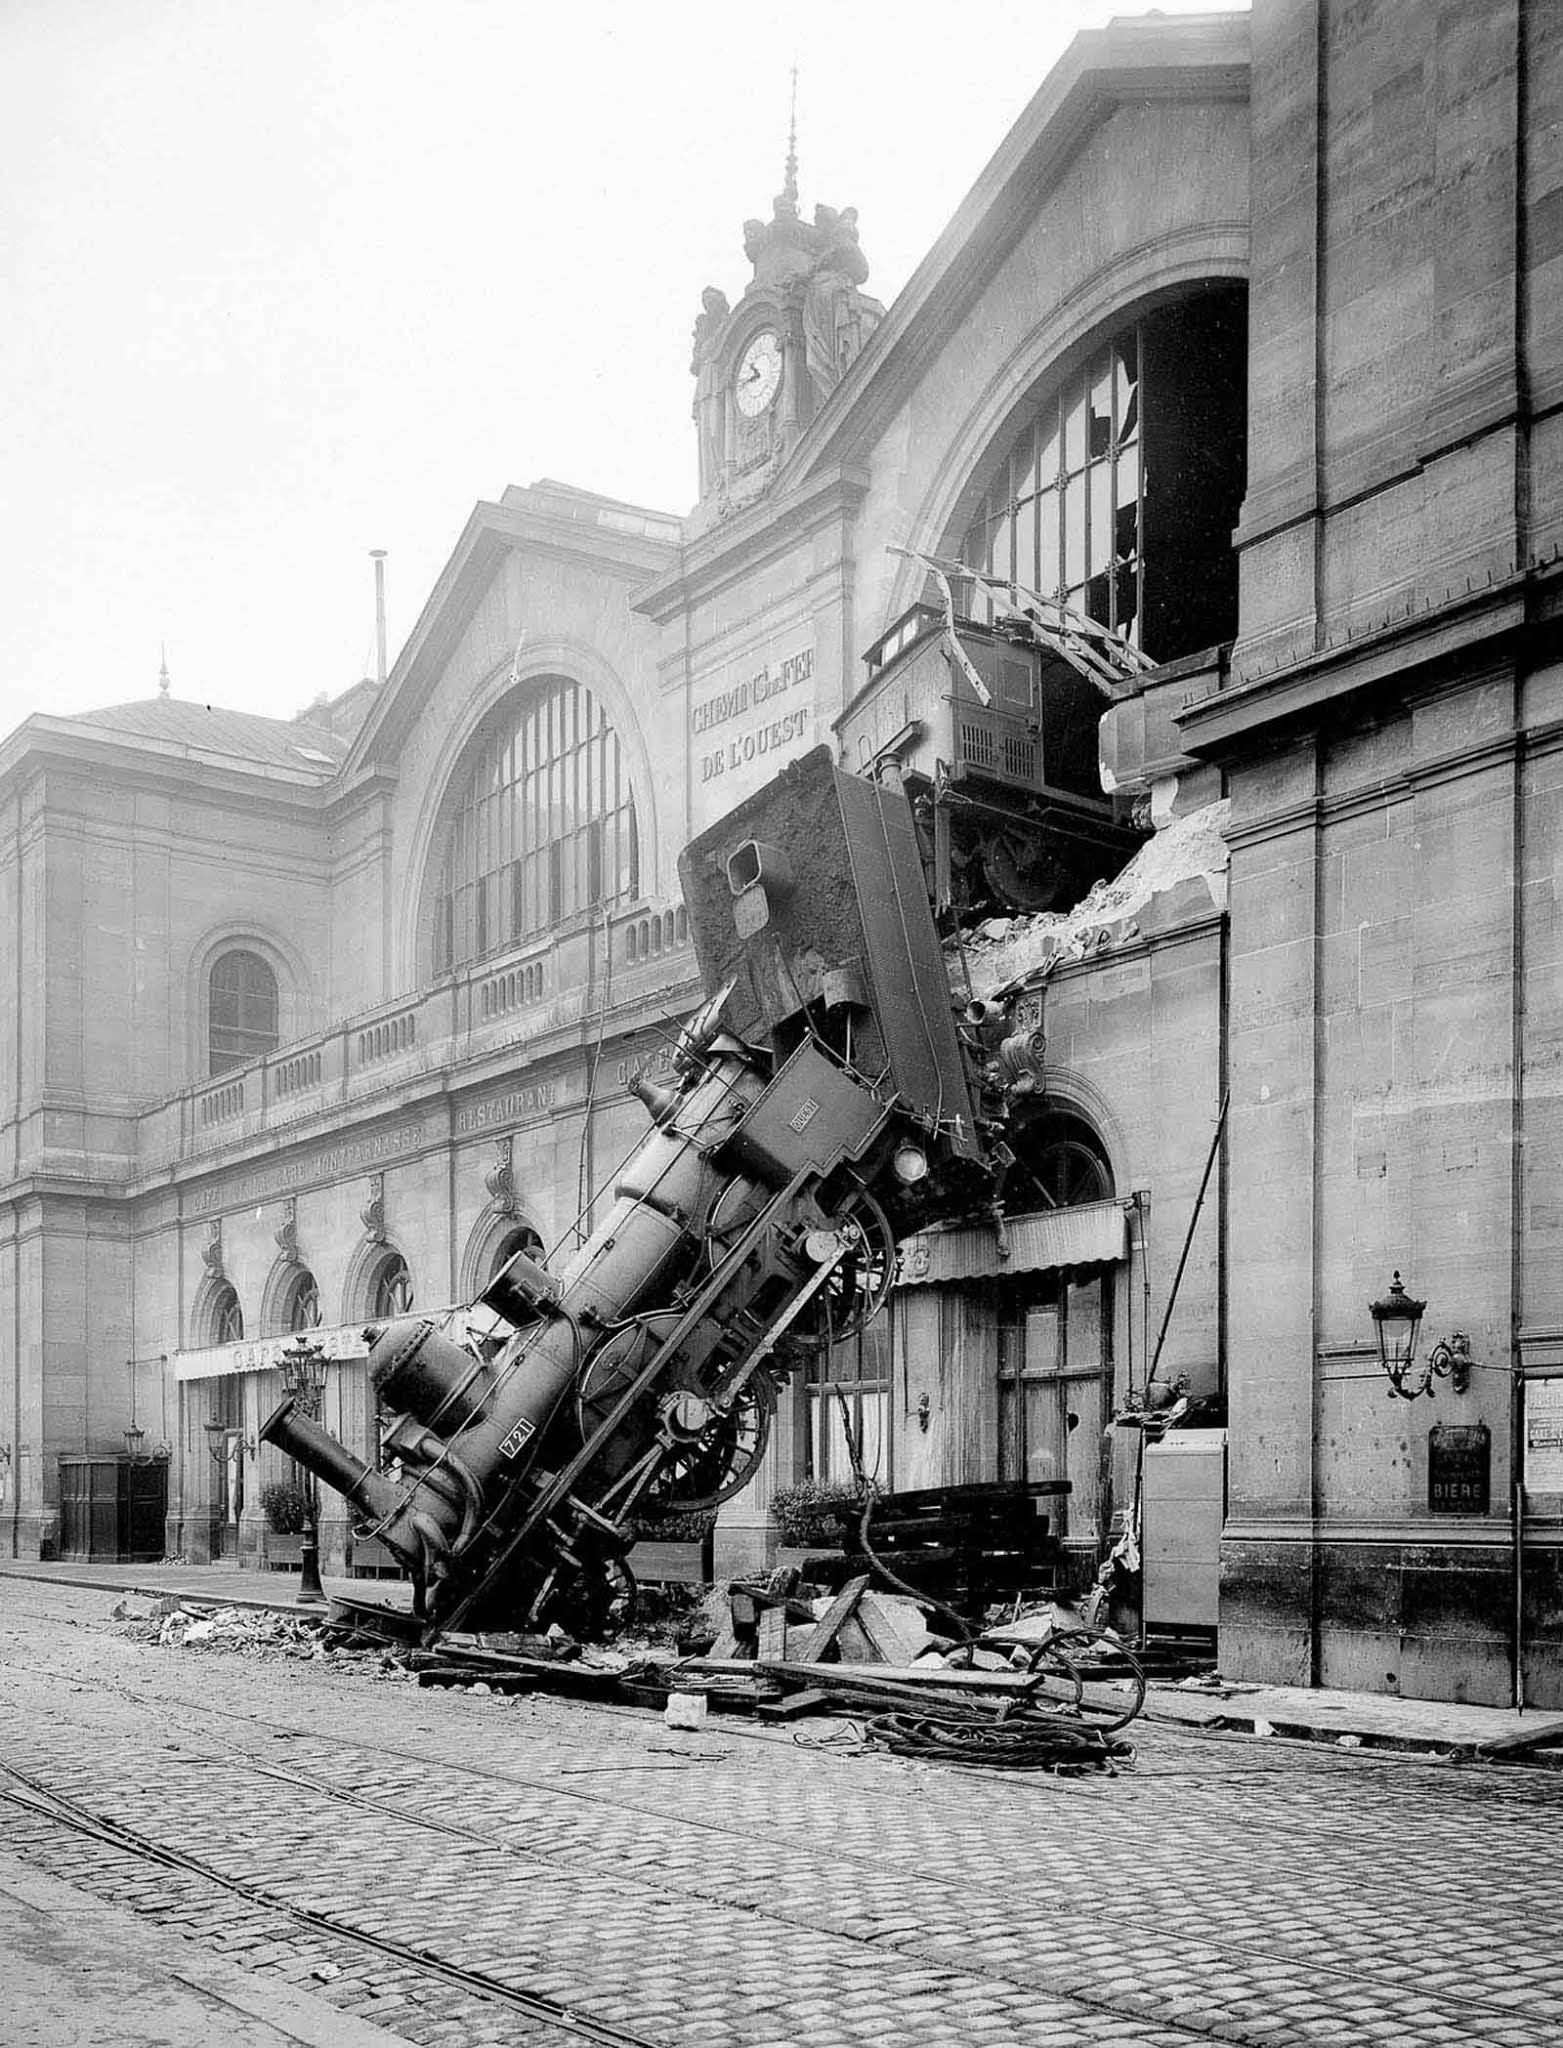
{"points": [[1055, 1391]]}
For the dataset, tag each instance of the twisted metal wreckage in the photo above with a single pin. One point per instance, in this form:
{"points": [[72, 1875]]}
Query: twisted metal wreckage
{"points": [[823, 1104]]}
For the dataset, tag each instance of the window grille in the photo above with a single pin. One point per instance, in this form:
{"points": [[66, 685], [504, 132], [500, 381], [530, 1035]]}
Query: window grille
{"points": [[241, 1012], [544, 827]]}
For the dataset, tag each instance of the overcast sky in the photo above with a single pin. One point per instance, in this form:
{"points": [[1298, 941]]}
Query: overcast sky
{"points": [[287, 280]]}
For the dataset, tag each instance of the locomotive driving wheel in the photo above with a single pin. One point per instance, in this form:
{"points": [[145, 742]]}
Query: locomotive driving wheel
{"points": [[711, 1451], [860, 1283], [714, 1454], [734, 1209]]}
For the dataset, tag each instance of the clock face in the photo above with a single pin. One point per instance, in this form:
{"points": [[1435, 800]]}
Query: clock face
{"points": [[759, 374]]}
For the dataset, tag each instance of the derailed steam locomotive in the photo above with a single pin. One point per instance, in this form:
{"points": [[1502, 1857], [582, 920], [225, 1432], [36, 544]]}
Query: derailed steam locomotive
{"points": [[821, 1104]]}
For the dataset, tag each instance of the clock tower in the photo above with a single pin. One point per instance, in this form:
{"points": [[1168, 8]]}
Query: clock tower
{"points": [[764, 367]]}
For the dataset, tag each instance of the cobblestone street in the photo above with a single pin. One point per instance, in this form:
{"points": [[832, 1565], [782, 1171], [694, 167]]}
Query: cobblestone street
{"points": [[599, 1875]]}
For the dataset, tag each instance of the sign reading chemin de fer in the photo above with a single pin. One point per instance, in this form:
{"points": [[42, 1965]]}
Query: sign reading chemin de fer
{"points": [[757, 710]]}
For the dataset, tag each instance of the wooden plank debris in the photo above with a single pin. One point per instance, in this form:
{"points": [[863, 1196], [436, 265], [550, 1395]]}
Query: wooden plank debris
{"points": [[895, 1628], [772, 1637], [829, 1624], [807, 1701], [926, 1677]]}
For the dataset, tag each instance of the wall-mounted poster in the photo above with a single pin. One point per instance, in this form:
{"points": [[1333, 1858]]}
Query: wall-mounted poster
{"points": [[1544, 1435]]}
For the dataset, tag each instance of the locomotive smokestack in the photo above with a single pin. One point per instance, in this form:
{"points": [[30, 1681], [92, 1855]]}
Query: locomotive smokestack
{"points": [[319, 1452], [660, 1102], [377, 556]]}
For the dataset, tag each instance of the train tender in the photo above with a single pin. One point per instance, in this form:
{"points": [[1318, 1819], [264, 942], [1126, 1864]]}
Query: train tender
{"points": [[821, 1103]]}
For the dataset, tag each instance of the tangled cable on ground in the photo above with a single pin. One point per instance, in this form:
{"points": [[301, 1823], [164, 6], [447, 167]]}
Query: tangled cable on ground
{"points": [[1025, 1740], [1038, 1730]]}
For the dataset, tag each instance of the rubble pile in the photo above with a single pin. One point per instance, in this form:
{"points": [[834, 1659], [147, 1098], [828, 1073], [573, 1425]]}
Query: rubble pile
{"points": [[1035, 1689], [175, 1624], [1003, 952]]}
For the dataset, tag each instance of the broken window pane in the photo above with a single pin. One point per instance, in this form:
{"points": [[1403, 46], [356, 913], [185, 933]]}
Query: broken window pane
{"points": [[1126, 379], [1101, 406], [1126, 600]]}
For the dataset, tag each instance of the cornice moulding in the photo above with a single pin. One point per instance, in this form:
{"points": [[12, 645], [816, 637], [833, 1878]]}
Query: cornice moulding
{"points": [[760, 534]]}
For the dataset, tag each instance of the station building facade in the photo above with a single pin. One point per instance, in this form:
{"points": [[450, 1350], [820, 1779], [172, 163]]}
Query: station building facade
{"points": [[1248, 344]]}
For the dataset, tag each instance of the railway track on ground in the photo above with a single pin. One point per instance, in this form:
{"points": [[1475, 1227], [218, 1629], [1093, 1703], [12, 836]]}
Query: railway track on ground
{"points": [[416, 1965], [19, 1790]]}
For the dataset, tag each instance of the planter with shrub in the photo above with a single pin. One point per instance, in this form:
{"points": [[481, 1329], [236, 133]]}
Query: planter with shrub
{"points": [[812, 1514], [673, 1549], [286, 1508]]}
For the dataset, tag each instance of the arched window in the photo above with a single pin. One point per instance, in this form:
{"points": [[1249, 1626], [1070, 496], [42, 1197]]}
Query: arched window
{"points": [[224, 1315], [392, 1294], [1119, 494], [522, 1239], [543, 826], [241, 1016], [302, 1308], [1060, 1162]]}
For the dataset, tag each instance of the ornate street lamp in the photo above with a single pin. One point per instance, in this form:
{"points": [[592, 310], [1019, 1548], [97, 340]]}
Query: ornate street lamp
{"points": [[1397, 1321], [304, 1376]]}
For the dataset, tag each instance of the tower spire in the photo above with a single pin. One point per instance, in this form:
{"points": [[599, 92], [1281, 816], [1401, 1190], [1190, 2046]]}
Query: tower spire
{"points": [[790, 177], [162, 674]]}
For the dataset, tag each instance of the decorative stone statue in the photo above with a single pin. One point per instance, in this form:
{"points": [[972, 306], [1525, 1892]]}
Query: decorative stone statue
{"points": [[833, 307], [709, 399]]}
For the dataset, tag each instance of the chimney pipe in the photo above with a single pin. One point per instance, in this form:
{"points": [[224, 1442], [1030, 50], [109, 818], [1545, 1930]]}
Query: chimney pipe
{"points": [[377, 556]]}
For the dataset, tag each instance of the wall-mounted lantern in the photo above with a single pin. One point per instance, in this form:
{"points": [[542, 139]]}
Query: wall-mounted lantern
{"points": [[1397, 1322], [219, 1434]]}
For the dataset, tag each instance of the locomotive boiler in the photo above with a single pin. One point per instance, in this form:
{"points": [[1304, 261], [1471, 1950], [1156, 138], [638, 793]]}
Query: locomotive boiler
{"points": [[819, 1105]]}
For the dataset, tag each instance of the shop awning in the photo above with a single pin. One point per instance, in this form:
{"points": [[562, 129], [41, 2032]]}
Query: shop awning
{"points": [[340, 1341], [1093, 1234]]}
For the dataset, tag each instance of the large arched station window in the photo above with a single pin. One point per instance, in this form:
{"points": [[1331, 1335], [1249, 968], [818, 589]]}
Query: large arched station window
{"points": [[543, 825], [1119, 493]]}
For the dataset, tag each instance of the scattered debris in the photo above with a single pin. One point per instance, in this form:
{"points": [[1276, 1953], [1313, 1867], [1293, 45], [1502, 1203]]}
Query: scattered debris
{"points": [[1035, 1691], [685, 1710]]}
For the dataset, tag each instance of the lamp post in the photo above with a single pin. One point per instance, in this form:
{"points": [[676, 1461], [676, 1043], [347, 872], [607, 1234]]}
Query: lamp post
{"points": [[1397, 1322], [304, 1376]]}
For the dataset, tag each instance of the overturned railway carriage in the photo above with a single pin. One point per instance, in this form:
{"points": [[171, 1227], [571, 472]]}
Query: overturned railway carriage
{"points": [[820, 1105]]}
